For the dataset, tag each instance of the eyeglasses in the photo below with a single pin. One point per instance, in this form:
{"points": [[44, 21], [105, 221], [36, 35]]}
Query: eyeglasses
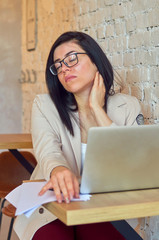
{"points": [[70, 61]]}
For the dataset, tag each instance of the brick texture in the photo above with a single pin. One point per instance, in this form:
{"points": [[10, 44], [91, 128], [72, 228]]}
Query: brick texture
{"points": [[127, 30]]}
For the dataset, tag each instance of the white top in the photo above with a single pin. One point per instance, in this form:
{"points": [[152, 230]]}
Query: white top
{"points": [[83, 153]]}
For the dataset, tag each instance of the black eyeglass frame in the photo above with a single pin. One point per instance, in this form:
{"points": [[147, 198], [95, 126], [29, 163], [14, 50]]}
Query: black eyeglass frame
{"points": [[63, 61]]}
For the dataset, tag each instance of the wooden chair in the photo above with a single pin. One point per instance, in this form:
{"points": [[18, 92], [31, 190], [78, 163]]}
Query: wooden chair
{"points": [[12, 173]]}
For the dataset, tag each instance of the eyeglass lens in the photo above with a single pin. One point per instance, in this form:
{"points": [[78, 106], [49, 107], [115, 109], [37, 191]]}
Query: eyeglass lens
{"points": [[69, 61]]}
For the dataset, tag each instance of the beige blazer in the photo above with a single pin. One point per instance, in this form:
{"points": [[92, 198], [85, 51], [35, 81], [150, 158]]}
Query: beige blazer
{"points": [[53, 146]]}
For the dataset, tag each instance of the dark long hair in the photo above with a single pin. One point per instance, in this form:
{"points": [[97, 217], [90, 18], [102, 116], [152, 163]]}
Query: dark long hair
{"points": [[64, 100]]}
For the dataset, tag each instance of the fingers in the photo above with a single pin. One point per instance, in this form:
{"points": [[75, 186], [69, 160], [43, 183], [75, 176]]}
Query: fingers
{"points": [[97, 94], [76, 188], [64, 189], [98, 81], [45, 188], [56, 189], [69, 186], [64, 183]]}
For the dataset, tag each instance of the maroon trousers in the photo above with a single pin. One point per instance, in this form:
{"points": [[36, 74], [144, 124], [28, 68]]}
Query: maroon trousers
{"points": [[57, 230]]}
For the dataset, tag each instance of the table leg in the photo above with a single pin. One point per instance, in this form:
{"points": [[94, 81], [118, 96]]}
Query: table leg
{"points": [[22, 160], [126, 230]]}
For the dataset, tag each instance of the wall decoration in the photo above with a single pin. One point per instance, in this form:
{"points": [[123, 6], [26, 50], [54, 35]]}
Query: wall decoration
{"points": [[28, 76], [31, 24]]}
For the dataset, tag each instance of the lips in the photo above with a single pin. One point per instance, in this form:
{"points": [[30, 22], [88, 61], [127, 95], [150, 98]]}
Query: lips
{"points": [[69, 78]]}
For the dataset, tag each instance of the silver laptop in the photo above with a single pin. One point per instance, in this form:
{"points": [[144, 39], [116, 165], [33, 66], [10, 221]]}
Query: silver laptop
{"points": [[121, 158]]}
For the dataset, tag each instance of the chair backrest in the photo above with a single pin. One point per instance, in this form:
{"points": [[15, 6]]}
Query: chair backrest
{"points": [[12, 173]]}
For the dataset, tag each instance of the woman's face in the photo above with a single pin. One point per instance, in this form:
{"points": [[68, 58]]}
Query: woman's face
{"points": [[80, 77]]}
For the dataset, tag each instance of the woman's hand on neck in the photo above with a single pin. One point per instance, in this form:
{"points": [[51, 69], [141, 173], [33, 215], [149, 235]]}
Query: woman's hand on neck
{"points": [[91, 102]]}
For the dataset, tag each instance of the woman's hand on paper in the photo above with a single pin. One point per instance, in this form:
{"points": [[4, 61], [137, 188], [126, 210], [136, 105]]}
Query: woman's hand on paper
{"points": [[62, 181]]}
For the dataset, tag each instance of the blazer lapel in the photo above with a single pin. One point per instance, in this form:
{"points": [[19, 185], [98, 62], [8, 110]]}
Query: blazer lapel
{"points": [[76, 141]]}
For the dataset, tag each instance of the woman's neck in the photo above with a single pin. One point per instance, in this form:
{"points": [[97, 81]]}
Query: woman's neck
{"points": [[82, 100]]}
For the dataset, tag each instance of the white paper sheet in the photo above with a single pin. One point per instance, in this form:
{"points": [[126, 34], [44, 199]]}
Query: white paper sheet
{"points": [[14, 196], [26, 199], [30, 212]]}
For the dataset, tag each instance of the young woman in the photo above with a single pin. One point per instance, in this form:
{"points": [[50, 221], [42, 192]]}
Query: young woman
{"points": [[80, 79]]}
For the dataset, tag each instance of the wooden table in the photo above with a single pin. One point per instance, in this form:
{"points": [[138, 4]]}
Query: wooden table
{"points": [[12, 142], [15, 141], [108, 207]]}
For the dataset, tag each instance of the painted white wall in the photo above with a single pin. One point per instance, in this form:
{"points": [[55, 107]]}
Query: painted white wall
{"points": [[10, 66]]}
